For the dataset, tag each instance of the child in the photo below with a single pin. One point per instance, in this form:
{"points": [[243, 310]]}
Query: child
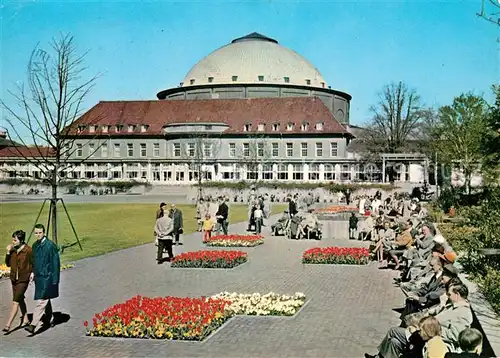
{"points": [[258, 217], [353, 226], [208, 226]]}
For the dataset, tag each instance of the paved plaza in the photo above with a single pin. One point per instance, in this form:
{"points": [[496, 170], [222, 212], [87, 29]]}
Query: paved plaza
{"points": [[349, 308]]}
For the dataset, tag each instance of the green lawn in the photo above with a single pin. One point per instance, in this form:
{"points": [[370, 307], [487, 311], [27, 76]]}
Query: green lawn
{"points": [[101, 227]]}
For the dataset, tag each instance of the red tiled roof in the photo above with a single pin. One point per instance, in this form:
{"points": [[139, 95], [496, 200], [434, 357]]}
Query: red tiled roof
{"points": [[234, 112], [28, 152]]}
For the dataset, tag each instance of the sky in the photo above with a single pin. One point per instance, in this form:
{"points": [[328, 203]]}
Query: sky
{"points": [[439, 48]]}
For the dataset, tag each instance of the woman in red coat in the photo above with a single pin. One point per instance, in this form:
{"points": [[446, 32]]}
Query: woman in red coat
{"points": [[20, 260]]}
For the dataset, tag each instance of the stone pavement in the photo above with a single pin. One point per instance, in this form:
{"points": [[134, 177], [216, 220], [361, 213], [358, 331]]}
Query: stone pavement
{"points": [[348, 312]]}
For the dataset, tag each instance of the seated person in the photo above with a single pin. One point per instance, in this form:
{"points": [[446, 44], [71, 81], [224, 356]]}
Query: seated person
{"points": [[281, 223], [402, 243], [430, 332], [310, 222], [471, 343], [367, 228]]}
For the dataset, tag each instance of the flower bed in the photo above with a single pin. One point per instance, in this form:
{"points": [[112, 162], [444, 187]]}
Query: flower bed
{"points": [[235, 240], [193, 319], [255, 304], [210, 259], [336, 255], [337, 209], [5, 270]]}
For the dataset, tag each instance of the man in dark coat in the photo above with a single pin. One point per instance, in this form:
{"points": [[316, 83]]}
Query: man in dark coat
{"points": [[222, 216], [46, 270], [176, 216]]}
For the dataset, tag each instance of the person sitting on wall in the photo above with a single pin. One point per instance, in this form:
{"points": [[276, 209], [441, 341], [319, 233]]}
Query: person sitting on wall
{"points": [[471, 343], [309, 222]]}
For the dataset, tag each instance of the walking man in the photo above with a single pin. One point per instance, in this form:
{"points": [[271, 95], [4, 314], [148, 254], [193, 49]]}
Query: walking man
{"points": [[176, 216], [46, 270], [222, 216]]}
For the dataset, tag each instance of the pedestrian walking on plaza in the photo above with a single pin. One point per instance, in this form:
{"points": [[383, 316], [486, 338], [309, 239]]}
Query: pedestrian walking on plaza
{"points": [[222, 216], [176, 216], [47, 272], [164, 227], [353, 226], [20, 260]]}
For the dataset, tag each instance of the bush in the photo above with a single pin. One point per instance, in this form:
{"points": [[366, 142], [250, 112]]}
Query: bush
{"points": [[491, 289], [333, 187]]}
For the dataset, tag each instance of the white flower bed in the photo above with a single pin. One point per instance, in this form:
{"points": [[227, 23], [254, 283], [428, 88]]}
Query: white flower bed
{"points": [[235, 243], [256, 304]]}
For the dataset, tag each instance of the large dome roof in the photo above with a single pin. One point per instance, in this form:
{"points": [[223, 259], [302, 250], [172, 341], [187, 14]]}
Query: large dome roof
{"points": [[254, 59]]}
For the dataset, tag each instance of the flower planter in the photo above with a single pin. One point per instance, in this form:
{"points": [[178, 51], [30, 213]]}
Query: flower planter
{"points": [[235, 240], [336, 255], [223, 259], [336, 209], [188, 319]]}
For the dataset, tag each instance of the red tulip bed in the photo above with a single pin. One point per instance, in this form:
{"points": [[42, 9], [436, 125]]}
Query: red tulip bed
{"points": [[210, 259], [235, 240], [161, 318], [336, 255], [336, 209]]}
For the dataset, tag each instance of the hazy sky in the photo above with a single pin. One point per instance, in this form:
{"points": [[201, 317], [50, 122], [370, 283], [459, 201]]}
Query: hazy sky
{"points": [[439, 48]]}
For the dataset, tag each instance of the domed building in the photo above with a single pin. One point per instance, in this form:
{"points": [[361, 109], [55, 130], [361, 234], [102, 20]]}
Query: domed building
{"points": [[250, 110]]}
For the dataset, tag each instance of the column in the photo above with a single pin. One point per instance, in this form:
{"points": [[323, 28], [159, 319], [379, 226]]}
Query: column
{"points": [[402, 176], [275, 171], [124, 171], [149, 175], [108, 171], [353, 172], [305, 169], [259, 171], [321, 172], [290, 171], [383, 169], [337, 172]]}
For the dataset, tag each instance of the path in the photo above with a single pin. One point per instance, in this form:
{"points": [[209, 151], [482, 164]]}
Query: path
{"points": [[348, 313]]}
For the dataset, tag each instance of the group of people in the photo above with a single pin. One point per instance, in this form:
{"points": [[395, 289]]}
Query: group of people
{"points": [[39, 264], [436, 318]]}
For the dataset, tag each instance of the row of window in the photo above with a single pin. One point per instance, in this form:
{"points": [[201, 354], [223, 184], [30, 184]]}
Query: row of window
{"points": [[207, 151], [276, 127], [260, 78], [118, 128]]}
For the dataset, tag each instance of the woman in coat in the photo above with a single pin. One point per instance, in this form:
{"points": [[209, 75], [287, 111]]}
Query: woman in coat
{"points": [[20, 260]]}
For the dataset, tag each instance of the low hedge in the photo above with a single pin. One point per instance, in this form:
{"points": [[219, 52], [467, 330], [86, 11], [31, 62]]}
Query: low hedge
{"points": [[333, 187]]}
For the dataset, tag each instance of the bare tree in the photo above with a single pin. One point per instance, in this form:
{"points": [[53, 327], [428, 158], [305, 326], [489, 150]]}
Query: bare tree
{"points": [[396, 120], [44, 113], [202, 149], [254, 152], [490, 11]]}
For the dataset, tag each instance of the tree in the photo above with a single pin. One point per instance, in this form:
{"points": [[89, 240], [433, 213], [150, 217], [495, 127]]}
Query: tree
{"points": [[491, 141], [396, 120], [202, 149], [490, 11], [256, 151], [457, 134], [45, 112]]}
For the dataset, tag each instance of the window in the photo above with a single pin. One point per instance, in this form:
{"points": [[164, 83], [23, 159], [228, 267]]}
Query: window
{"points": [[323, 84], [156, 149], [105, 129], [207, 150], [275, 152], [319, 126], [260, 127], [92, 129], [289, 149], [261, 78], [333, 149], [210, 79], [191, 81], [116, 150], [345, 173], [303, 149], [304, 126], [144, 128], [79, 150], [289, 127], [252, 172], [91, 149], [282, 172], [246, 127], [308, 82], [319, 149], [297, 173], [246, 149], [260, 149], [191, 149], [276, 127], [143, 149], [80, 129], [118, 128], [329, 172], [314, 172], [267, 172], [234, 78], [232, 149], [104, 150], [177, 149], [130, 149], [131, 128], [287, 79]]}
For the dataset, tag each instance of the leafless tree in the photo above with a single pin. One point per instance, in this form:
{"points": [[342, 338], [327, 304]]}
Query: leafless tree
{"points": [[490, 11], [396, 120], [201, 149], [44, 111], [254, 152]]}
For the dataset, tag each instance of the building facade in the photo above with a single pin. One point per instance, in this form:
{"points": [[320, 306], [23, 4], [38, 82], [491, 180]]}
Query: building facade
{"points": [[250, 110]]}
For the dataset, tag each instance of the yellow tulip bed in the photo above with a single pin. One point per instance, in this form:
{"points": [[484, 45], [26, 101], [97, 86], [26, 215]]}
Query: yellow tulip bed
{"points": [[5, 270]]}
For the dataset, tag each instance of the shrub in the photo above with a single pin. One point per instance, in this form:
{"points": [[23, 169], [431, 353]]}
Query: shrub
{"points": [[333, 187], [491, 288]]}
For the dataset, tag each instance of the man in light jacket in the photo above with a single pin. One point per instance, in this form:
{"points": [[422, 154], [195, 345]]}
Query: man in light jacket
{"points": [[164, 227]]}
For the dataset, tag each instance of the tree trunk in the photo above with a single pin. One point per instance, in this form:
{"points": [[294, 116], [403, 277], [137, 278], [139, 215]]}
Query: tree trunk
{"points": [[53, 208]]}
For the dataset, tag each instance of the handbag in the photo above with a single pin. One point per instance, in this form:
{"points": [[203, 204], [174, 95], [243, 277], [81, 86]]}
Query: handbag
{"points": [[180, 231]]}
